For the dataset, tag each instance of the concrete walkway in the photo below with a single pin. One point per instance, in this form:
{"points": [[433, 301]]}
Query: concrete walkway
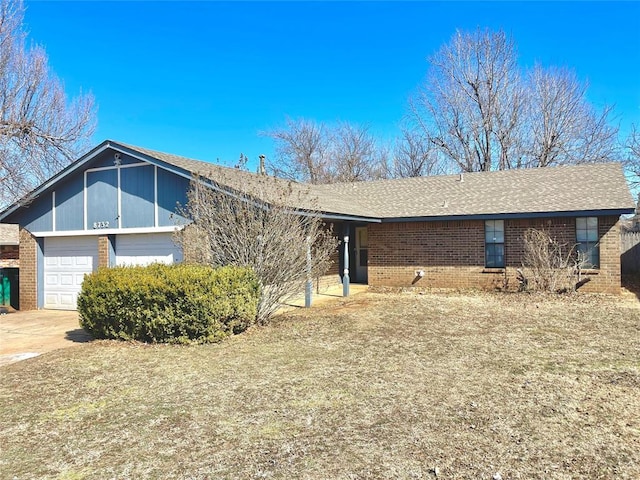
{"points": [[332, 293], [28, 334]]}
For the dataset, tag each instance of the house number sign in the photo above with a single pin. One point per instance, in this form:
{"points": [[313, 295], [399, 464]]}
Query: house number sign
{"points": [[100, 224]]}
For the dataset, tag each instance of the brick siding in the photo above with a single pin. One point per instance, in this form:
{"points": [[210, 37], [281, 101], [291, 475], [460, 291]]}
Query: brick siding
{"points": [[103, 251], [28, 278], [333, 275], [451, 253], [9, 256]]}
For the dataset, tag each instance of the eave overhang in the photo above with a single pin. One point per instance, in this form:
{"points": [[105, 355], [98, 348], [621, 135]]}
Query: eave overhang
{"points": [[508, 216], [348, 218]]}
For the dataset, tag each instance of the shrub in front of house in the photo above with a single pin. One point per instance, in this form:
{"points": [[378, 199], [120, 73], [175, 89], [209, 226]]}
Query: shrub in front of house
{"points": [[168, 303]]}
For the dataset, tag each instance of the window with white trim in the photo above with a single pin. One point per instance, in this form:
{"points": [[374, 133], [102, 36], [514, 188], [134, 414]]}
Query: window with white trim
{"points": [[587, 241], [494, 243]]}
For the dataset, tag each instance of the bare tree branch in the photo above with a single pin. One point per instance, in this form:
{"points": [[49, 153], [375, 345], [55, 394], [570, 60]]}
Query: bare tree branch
{"points": [[564, 128], [480, 112], [632, 163], [41, 131], [354, 155], [415, 156], [231, 227], [470, 102], [315, 153], [549, 265], [301, 149]]}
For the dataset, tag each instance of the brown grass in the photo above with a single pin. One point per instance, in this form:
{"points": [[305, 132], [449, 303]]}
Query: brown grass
{"points": [[378, 386]]}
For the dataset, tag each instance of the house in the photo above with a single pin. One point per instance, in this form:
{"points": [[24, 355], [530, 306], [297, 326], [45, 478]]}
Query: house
{"points": [[117, 205], [9, 262], [9, 246]]}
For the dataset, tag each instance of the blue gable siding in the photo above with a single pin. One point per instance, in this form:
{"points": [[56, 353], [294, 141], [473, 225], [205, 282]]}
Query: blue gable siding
{"points": [[137, 185], [70, 204], [102, 198], [172, 189], [36, 215], [125, 196], [107, 159]]}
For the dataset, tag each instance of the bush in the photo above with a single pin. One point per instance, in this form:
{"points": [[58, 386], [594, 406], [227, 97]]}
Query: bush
{"points": [[168, 303], [549, 266]]}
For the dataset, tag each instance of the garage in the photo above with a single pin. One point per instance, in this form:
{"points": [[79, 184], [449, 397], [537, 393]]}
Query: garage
{"points": [[66, 261], [144, 249]]}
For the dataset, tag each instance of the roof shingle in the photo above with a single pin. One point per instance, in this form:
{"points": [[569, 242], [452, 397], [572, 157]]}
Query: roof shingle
{"points": [[586, 187]]}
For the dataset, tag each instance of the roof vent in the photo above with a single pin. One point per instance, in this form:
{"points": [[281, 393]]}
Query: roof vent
{"points": [[461, 177]]}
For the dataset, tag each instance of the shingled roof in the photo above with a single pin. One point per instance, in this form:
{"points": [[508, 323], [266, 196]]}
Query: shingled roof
{"points": [[551, 190], [302, 195], [588, 187]]}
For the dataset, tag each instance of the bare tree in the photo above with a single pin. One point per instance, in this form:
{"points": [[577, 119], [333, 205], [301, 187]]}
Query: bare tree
{"points": [[354, 155], [316, 153], [564, 127], [301, 149], [414, 156], [632, 162], [41, 131], [470, 102], [259, 227], [481, 112]]}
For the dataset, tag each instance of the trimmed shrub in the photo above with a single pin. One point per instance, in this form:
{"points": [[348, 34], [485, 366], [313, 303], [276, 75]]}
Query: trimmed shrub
{"points": [[168, 303]]}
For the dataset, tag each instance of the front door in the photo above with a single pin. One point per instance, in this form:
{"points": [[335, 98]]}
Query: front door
{"points": [[362, 255]]}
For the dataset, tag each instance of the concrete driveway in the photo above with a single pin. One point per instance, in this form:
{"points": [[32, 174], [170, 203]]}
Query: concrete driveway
{"points": [[29, 334]]}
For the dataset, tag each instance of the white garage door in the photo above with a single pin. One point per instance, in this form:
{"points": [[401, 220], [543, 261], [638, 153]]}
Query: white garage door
{"points": [[66, 261], [143, 249]]}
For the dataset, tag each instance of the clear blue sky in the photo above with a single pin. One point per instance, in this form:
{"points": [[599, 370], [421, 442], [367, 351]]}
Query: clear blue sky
{"points": [[202, 79]]}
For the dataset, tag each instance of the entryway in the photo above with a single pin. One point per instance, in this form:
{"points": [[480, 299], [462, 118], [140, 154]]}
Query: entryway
{"points": [[362, 255]]}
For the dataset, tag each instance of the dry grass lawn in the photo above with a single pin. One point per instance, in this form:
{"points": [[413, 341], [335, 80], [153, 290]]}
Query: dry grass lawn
{"points": [[450, 386]]}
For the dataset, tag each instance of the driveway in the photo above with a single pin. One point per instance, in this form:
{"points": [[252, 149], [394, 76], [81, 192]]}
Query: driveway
{"points": [[29, 334]]}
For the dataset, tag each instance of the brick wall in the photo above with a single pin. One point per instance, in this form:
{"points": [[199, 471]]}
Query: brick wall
{"points": [[451, 253], [608, 275], [9, 256], [322, 284], [332, 276], [103, 251], [334, 268], [28, 278]]}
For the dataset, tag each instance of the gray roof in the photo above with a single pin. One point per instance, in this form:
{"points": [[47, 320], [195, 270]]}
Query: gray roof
{"points": [[586, 187], [596, 188], [263, 186]]}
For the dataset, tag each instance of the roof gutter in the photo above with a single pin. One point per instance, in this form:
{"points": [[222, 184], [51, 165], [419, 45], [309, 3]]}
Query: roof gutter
{"points": [[508, 216], [350, 218]]}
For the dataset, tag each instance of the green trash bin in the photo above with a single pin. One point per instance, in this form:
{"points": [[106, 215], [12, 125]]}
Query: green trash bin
{"points": [[9, 294], [5, 290]]}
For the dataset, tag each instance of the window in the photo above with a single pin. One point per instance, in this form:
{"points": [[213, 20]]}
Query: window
{"points": [[494, 243], [587, 241]]}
